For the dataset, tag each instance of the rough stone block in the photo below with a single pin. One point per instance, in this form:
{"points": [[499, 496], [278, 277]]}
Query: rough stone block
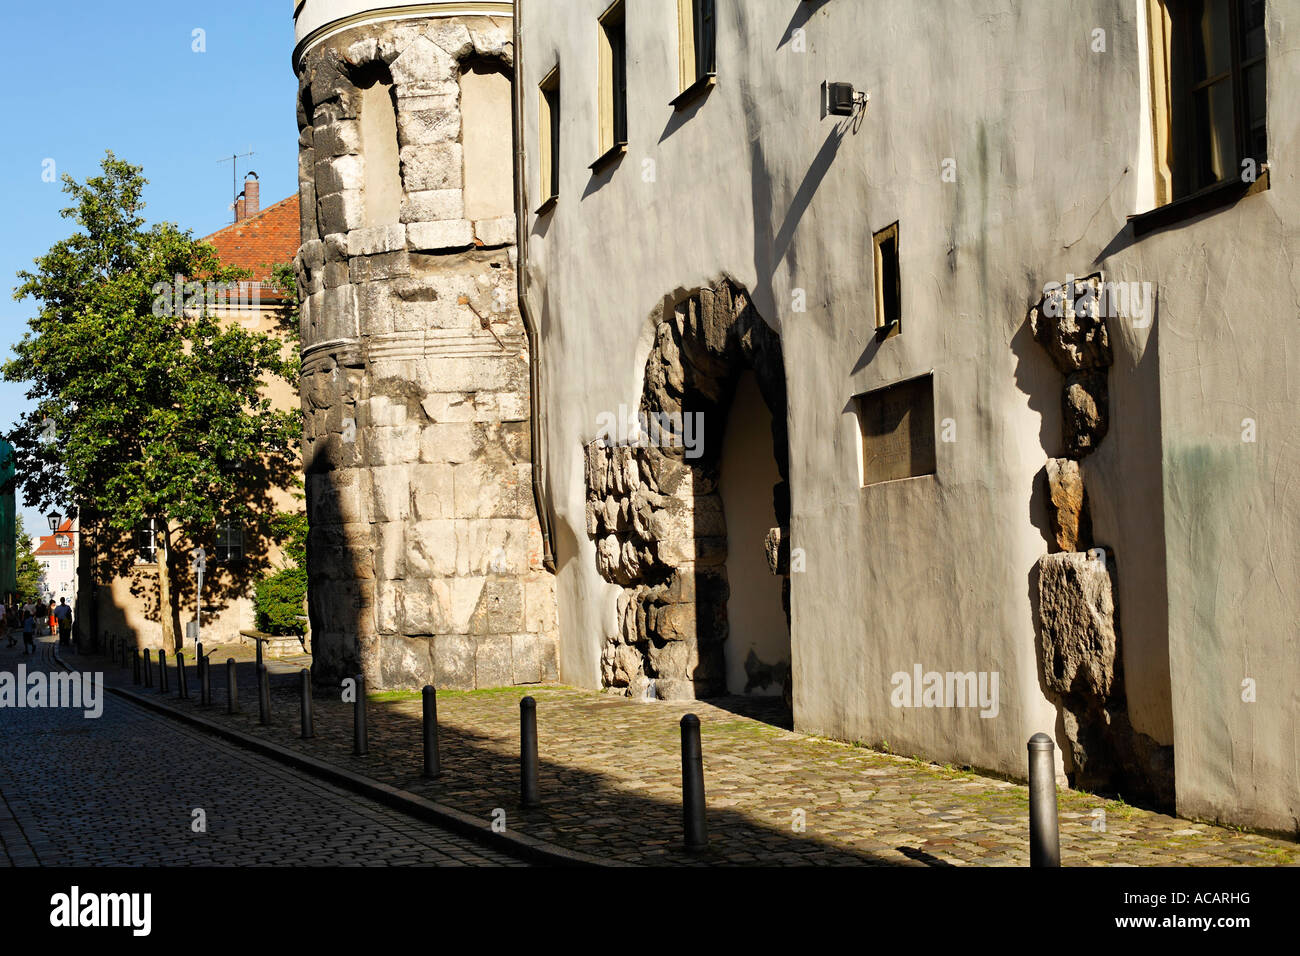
{"points": [[540, 604], [405, 663], [339, 173], [394, 446], [423, 67], [433, 205], [1066, 511], [432, 491], [417, 127], [1068, 322], [376, 240], [1085, 406], [500, 607], [451, 36], [341, 212], [434, 166], [445, 234], [390, 550], [391, 487], [491, 546], [1076, 613], [453, 662], [454, 443], [431, 548], [492, 661], [526, 658], [495, 232]]}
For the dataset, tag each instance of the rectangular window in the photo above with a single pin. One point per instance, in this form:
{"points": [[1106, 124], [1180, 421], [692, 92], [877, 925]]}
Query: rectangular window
{"points": [[146, 543], [897, 431], [549, 128], [1208, 89], [613, 79], [889, 293], [697, 40], [230, 542]]}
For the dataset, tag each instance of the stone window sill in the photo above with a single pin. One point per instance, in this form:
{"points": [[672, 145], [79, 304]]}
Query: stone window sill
{"points": [[696, 90], [609, 157], [1208, 200], [547, 206]]}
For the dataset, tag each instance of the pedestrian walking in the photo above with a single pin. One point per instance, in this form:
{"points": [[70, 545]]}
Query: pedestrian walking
{"points": [[29, 633], [62, 617]]}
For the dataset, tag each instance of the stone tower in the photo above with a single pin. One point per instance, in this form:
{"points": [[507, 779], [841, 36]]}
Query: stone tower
{"points": [[425, 559]]}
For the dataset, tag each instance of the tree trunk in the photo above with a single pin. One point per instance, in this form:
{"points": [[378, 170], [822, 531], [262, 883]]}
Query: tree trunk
{"points": [[166, 602]]}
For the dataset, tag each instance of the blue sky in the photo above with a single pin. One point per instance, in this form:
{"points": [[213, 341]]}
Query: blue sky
{"points": [[88, 76]]}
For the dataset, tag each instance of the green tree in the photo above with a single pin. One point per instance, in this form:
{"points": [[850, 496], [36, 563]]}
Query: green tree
{"points": [[29, 567], [147, 405], [280, 595]]}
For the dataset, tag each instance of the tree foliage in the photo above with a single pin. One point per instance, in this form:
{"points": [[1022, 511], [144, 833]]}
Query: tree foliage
{"points": [[30, 571], [147, 405], [280, 595]]}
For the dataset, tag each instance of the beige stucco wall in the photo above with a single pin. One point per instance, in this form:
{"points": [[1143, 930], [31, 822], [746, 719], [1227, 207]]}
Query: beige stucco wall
{"points": [[1048, 141]]}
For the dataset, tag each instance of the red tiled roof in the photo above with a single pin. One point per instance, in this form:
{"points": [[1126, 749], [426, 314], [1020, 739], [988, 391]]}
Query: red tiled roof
{"points": [[262, 241], [48, 545]]}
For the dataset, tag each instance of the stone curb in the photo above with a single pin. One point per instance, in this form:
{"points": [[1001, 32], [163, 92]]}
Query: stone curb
{"points": [[519, 845]]}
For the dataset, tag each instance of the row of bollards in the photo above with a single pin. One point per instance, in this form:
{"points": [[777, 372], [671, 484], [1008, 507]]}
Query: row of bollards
{"points": [[1044, 831]]}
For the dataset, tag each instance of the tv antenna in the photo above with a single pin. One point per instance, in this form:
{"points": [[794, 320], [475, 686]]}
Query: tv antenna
{"points": [[233, 160]]}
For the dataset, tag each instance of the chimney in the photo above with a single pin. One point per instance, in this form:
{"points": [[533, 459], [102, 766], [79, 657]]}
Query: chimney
{"points": [[241, 207], [252, 196]]}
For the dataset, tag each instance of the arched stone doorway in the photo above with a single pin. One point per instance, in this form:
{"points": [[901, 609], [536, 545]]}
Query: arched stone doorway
{"points": [[656, 508]]}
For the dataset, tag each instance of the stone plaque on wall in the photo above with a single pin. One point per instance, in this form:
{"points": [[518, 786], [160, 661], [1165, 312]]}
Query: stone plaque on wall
{"points": [[897, 431]]}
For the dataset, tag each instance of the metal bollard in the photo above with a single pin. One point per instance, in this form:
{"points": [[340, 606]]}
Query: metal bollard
{"points": [[305, 694], [263, 696], [360, 741], [205, 681], [232, 687], [696, 825], [182, 686], [258, 644], [135, 665], [528, 790], [162, 671], [121, 653], [148, 669], [112, 651], [1044, 833], [432, 760]]}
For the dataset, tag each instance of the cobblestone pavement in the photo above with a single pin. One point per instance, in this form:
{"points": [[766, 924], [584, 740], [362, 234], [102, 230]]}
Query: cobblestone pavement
{"points": [[611, 783], [121, 790]]}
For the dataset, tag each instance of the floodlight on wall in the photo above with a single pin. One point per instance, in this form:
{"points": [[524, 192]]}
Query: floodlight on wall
{"points": [[843, 100]]}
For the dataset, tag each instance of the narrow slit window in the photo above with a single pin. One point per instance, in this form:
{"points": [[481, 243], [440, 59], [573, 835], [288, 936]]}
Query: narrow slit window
{"points": [[613, 79], [550, 136], [889, 293], [697, 34]]}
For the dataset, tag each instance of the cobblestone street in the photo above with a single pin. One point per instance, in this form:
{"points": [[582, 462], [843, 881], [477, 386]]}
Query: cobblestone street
{"points": [[611, 783], [122, 789]]}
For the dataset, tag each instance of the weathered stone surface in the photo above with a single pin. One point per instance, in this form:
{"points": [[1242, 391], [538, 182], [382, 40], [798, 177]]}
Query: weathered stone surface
{"points": [[433, 205], [495, 232], [432, 166], [376, 240], [416, 436], [1076, 611], [1085, 407], [444, 234], [1068, 323], [1067, 509], [777, 548]]}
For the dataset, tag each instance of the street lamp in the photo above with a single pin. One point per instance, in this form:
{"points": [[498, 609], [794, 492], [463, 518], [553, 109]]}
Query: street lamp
{"points": [[53, 517]]}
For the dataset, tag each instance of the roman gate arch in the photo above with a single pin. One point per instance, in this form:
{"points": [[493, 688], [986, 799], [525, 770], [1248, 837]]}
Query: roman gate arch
{"points": [[659, 493]]}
